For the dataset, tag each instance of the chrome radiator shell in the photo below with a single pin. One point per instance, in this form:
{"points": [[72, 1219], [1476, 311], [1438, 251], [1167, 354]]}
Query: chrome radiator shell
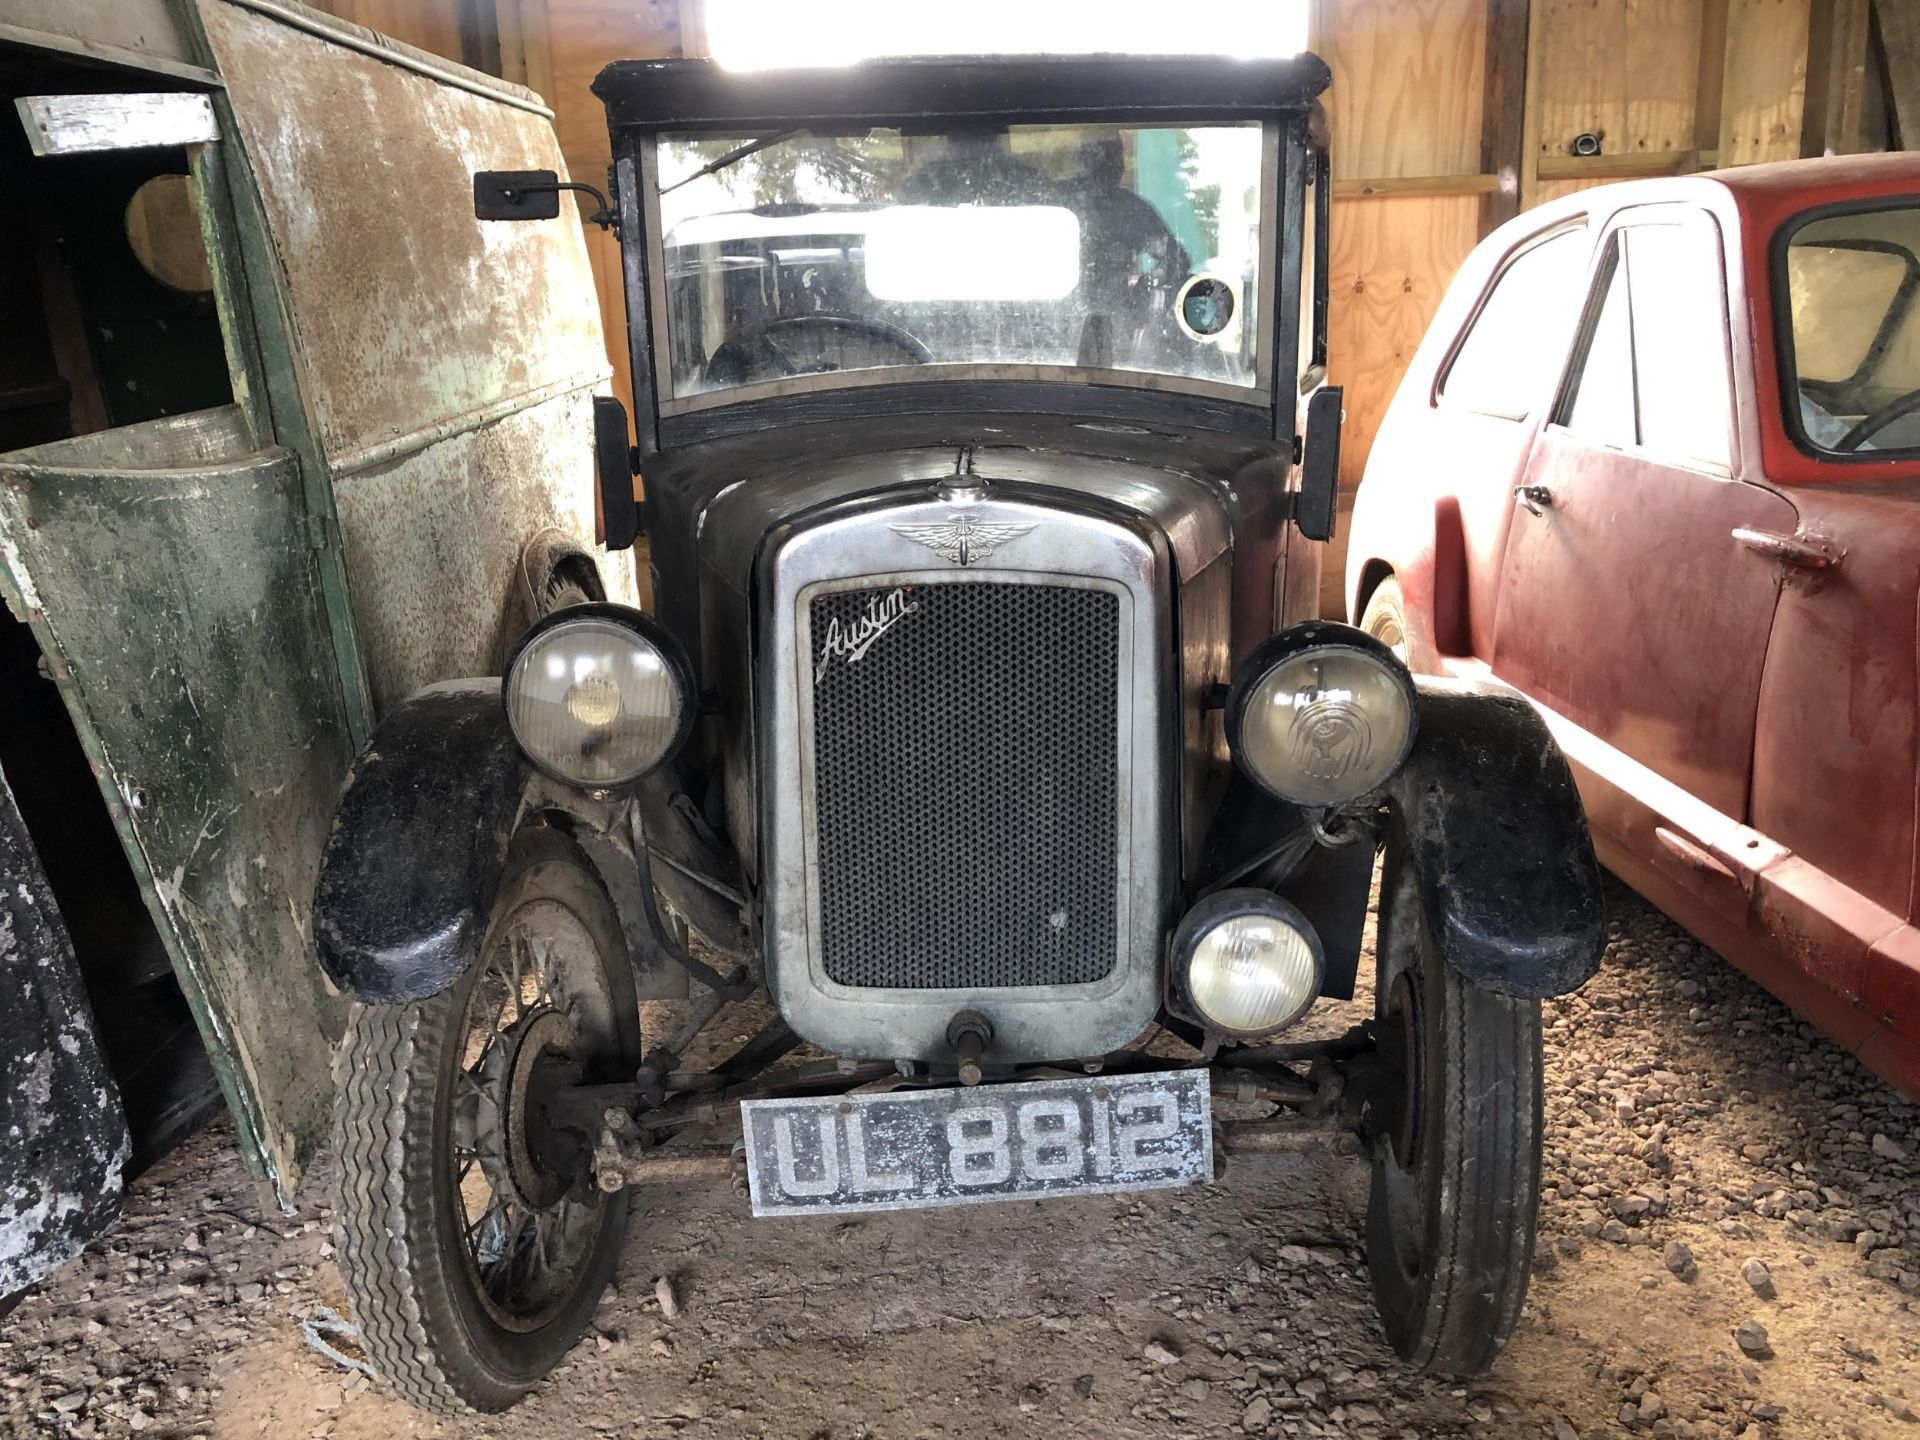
{"points": [[881, 548]]}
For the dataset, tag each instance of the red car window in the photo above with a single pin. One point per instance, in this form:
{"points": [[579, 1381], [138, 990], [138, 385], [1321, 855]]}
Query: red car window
{"points": [[1653, 366], [1852, 349], [1600, 405], [1521, 329]]}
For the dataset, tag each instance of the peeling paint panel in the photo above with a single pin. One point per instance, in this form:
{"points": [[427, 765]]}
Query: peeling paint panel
{"points": [[448, 362], [409, 311], [63, 1138], [167, 573], [434, 539]]}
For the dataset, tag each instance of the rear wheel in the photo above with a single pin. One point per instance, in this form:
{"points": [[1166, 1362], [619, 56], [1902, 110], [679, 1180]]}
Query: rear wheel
{"points": [[473, 1242], [1456, 1171]]}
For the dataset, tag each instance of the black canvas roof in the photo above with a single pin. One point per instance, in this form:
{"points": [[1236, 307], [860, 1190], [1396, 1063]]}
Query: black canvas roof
{"points": [[1155, 89]]}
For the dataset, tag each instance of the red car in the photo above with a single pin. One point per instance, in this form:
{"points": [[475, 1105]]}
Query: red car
{"points": [[1657, 467]]}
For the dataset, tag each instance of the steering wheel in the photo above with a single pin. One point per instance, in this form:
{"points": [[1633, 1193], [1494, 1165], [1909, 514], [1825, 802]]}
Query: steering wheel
{"points": [[746, 358], [1878, 420]]}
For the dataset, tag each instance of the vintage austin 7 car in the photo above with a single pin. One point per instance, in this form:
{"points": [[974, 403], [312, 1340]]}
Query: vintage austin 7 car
{"points": [[983, 724]]}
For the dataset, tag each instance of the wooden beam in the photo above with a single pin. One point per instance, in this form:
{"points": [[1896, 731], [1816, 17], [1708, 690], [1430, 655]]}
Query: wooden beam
{"points": [[1833, 121], [1710, 91], [1900, 35], [507, 26], [1485, 185], [479, 26], [1630, 165], [536, 45], [1530, 112], [1503, 115], [81, 124]]}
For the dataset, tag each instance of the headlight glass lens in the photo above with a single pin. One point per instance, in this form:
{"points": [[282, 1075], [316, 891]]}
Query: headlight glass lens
{"points": [[594, 702], [1253, 972], [1326, 726]]}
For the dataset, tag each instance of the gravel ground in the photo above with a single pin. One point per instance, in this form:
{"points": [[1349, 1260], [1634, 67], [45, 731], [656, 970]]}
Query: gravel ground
{"points": [[1730, 1246]]}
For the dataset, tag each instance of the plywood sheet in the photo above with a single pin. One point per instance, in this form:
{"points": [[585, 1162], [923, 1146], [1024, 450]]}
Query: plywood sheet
{"points": [[1554, 189], [1766, 80], [1408, 77], [1392, 261], [1625, 70]]}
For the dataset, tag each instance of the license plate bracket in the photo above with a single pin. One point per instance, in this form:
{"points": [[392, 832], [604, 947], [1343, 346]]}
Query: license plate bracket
{"points": [[913, 1149]]}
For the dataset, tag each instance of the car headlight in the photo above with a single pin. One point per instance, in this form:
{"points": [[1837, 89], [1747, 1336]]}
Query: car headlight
{"points": [[1247, 962], [598, 695], [1321, 714]]}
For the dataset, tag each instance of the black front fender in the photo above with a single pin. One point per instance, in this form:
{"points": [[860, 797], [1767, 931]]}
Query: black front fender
{"points": [[1496, 834], [419, 844]]}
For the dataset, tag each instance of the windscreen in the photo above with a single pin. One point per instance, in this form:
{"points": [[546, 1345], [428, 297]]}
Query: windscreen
{"points": [[1106, 248], [1852, 283]]}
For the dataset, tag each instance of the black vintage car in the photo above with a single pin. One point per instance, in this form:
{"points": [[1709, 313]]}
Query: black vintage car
{"points": [[983, 725]]}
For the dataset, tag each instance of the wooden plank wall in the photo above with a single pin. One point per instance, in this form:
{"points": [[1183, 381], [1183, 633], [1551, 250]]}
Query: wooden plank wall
{"points": [[1447, 116]]}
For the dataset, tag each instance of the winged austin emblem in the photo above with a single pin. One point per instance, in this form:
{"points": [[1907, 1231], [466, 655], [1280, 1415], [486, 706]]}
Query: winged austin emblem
{"points": [[963, 539]]}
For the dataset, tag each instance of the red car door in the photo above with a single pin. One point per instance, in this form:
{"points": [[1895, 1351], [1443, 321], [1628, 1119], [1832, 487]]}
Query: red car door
{"points": [[1626, 605]]}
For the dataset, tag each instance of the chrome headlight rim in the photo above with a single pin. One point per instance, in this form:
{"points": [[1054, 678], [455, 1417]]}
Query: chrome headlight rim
{"points": [[1216, 910], [650, 632], [1290, 644]]}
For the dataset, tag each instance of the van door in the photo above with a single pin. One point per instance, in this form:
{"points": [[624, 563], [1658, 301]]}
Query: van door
{"points": [[165, 555]]}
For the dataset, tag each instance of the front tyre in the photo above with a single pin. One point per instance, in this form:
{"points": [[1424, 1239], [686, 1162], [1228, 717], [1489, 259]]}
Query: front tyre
{"points": [[473, 1243], [1456, 1170]]}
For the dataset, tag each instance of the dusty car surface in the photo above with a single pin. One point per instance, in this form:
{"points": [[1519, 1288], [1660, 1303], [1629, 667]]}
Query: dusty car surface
{"points": [[1655, 466], [982, 725]]}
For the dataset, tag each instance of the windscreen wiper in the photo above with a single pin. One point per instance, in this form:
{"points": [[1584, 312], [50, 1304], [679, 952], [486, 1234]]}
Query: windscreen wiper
{"points": [[732, 157]]}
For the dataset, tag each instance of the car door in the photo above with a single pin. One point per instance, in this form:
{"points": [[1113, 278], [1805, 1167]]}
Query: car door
{"points": [[1626, 605]]}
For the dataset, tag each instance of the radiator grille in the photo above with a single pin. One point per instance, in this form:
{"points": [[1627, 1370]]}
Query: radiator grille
{"points": [[965, 780]]}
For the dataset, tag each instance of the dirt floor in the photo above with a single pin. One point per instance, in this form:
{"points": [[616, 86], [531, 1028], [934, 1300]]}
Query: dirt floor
{"points": [[1730, 1246]]}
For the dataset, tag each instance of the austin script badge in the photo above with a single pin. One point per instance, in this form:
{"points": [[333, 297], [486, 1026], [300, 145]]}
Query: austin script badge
{"points": [[854, 640]]}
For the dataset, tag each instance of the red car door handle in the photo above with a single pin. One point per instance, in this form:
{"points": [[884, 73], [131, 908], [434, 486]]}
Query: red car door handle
{"points": [[1534, 498], [1803, 551]]}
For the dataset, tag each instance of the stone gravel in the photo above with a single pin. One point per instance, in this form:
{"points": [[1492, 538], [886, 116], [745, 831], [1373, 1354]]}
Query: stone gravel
{"points": [[1729, 1247]]}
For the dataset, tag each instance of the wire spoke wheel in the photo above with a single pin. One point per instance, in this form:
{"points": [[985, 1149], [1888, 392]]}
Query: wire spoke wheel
{"points": [[472, 1239], [528, 1229]]}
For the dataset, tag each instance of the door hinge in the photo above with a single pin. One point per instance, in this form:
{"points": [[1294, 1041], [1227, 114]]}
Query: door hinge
{"points": [[323, 532]]}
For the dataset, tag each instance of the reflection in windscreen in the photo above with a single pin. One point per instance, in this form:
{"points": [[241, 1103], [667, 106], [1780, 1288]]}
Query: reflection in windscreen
{"points": [[1851, 285], [1095, 246]]}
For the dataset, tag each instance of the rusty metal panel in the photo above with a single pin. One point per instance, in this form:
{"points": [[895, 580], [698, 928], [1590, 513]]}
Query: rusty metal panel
{"points": [[434, 539], [169, 576], [408, 312]]}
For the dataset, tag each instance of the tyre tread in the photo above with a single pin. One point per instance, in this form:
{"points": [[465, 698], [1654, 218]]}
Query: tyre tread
{"points": [[383, 1106]]}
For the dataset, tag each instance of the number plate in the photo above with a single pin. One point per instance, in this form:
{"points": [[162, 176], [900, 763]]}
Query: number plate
{"points": [[913, 1148]]}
